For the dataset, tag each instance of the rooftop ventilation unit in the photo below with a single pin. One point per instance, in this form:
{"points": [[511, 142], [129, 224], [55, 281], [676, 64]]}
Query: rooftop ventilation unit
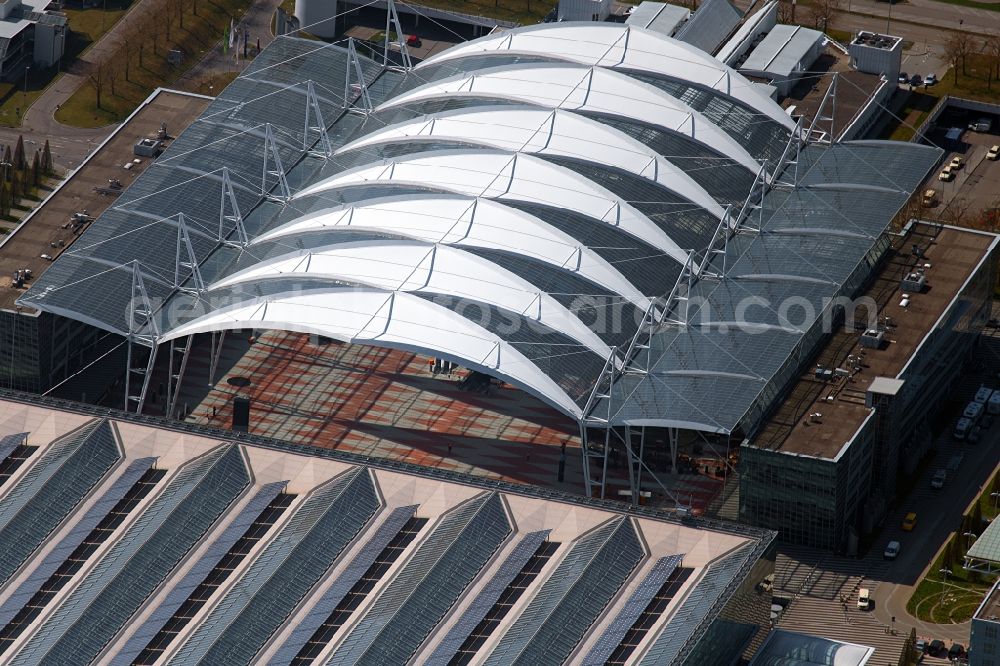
{"points": [[914, 281], [823, 374], [873, 338]]}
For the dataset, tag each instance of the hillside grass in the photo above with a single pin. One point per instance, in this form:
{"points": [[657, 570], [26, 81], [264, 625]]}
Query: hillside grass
{"points": [[199, 34]]}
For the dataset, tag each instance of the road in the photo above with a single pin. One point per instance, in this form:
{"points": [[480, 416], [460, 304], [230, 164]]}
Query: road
{"points": [[935, 525]]}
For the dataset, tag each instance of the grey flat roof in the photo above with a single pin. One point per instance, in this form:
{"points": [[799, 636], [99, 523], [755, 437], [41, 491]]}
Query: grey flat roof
{"points": [[782, 49], [658, 17], [709, 26], [886, 385]]}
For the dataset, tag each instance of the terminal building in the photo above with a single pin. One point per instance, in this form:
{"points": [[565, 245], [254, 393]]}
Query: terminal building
{"points": [[657, 273], [126, 541]]}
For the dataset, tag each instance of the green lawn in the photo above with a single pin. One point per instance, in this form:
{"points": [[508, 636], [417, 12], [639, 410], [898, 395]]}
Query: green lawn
{"points": [[200, 33], [88, 25], [16, 97], [945, 603]]}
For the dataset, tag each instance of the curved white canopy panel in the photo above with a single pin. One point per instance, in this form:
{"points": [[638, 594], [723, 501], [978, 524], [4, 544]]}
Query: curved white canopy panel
{"points": [[614, 45], [388, 319], [496, 175], [415, 266], [464, 221], [558, 133], [577, 88]]}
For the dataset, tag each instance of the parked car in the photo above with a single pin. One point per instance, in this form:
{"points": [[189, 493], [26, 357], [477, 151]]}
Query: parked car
{"points": [[930, 197], [864, 598], [956, 650], [937, 481], [957, 162], [930, 79], [891, 550], [903, 77], [975, 435], [414, 41], [935, 648], [915, 80], [920, 645], [909, 522], [993, 153], [946, 174]]}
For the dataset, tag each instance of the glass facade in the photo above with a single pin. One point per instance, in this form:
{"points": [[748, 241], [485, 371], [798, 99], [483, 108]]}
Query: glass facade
{"points": [[138, 562], [73, 552], [293, 561], [828, 502], [181, 590], [51, 489], [303, 635], [572, 597], [429, 584]]}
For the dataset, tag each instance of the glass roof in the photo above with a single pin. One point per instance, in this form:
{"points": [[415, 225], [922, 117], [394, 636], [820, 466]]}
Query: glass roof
{"points": [[587, 233]]}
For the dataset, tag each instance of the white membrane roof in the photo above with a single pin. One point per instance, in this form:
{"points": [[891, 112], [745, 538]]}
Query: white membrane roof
{"points": [[469, 222], [502, 176], [585, 89], [618, 46], [545, 132]]}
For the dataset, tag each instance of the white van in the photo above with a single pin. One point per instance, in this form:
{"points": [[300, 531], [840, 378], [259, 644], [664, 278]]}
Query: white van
{"points": [[973, 411], [981, 125], [983, 395], [962, 428], [993, 405]]}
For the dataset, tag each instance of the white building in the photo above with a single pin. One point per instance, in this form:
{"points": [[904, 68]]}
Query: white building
{"points": [[29, 35], [584, 10]]}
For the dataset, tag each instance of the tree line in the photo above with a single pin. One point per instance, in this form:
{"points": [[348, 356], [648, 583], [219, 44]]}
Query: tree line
{"points": [[139, 35], [20, 176]]}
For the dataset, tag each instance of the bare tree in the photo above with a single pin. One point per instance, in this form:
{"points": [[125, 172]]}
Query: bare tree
{"points": [[991, 47], [957, 48], [126, 45], [112, 71], [97, 77], [957, 212], [821, 12], [177, 8], [786, 11]]}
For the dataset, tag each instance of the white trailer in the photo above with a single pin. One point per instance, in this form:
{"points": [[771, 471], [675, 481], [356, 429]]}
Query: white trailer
{"points": [[993, 405], [973, 411]]}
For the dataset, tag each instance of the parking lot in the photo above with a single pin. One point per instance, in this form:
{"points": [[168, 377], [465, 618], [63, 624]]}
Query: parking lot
{"points": [[973, 188]]}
